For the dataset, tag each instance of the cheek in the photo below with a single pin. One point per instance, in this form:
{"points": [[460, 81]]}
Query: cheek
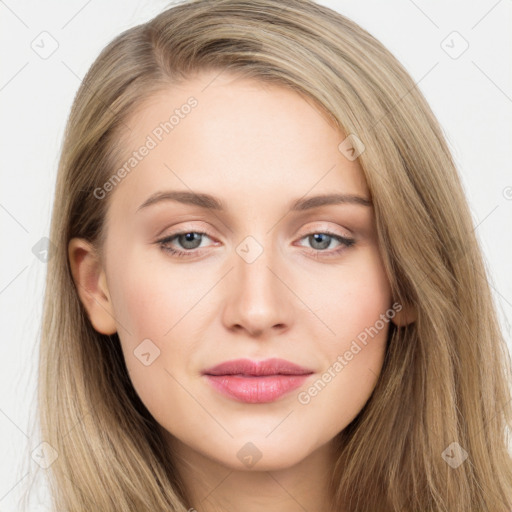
{"points": [[141, 307], [152, 314], [346, 382], [354, 299], [358, 313], [150, 296]]}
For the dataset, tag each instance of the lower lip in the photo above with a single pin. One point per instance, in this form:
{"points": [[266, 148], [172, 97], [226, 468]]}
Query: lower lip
{"points": [[256, 390]]}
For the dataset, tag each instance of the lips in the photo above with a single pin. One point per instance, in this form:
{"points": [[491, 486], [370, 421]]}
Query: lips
{"points": [[256, 381]]}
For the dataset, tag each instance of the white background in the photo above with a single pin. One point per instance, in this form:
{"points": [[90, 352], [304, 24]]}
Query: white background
{"points": [[471, 95]]}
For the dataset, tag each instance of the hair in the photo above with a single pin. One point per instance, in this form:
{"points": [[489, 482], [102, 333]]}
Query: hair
{"points": [[445, 377]]}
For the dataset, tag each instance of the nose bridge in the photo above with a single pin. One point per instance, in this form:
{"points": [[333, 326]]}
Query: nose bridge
{"points": [[258, 300], [254, 257]]}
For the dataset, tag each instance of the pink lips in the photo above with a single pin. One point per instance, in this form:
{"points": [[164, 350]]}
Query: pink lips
{"points": [[256, 381]]}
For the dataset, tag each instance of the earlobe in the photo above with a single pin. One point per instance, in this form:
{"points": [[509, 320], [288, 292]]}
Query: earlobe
{"points": [[91, 284], [405, 316]]}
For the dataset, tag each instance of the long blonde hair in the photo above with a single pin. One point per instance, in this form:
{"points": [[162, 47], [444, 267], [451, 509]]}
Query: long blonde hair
{"points": [[445, 376]]}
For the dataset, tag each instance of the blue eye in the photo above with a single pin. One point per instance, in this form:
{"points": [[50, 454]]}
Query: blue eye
{"points": [[188, 239], [191, 241], [324, 239]]}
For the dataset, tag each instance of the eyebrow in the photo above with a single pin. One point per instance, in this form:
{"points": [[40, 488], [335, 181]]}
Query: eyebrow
{"points": [[212, 203]]}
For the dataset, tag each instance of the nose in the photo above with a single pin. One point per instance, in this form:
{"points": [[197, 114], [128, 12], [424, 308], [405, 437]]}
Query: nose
{"points": [[257, 299]]}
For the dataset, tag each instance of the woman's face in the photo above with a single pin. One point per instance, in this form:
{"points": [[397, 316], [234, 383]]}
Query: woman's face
{"points": [[255, 279]]}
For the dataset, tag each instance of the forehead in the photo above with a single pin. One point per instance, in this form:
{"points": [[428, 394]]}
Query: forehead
{"points": [[236, 138]]}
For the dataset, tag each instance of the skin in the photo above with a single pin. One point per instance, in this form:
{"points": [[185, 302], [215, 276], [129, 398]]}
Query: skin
{"points": [[257, 148]]}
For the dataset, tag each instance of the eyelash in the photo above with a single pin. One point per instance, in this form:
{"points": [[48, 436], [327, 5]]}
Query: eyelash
{"points": [[346, 243]]}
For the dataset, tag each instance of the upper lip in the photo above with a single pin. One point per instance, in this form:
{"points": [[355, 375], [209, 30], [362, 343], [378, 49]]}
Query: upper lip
{"points": [[272, 366]]}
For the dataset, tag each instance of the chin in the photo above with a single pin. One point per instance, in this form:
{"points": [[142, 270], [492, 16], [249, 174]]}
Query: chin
{"points": [[263, 453]]}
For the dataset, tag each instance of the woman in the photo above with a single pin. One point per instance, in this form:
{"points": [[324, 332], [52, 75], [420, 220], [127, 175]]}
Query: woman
{"points": [[266, 290]]}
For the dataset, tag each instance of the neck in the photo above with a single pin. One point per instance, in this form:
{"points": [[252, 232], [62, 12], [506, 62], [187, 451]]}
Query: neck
{"points": [[214, 487]]}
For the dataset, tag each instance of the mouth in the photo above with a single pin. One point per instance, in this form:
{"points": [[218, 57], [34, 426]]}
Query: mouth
{"points": [[256, 381]]}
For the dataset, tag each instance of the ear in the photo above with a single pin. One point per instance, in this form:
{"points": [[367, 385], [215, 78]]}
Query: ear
{"points": [[406, 315], [91, 283]]}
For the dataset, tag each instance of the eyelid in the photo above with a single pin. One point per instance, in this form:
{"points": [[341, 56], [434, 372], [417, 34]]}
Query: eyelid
{"points": [[317, 227], [323, 227], [188, 226]]}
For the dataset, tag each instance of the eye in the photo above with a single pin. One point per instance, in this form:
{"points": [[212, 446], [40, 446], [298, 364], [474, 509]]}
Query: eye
{"points": [[321, 240], [189, 240]]}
